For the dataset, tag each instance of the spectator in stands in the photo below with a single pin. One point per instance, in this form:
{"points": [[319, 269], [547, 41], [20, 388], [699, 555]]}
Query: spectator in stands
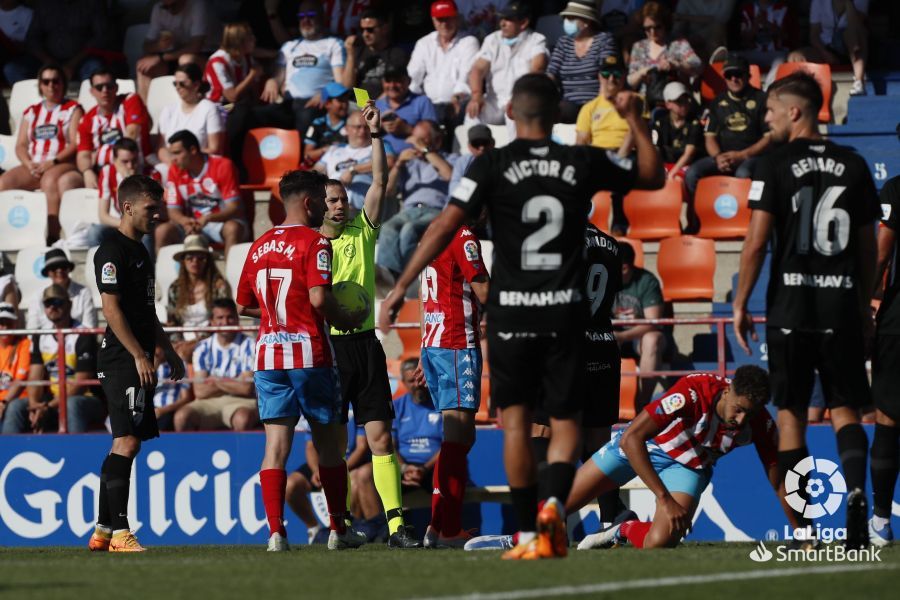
{"points": [[677, 131], [15, 18], [193, 112], [440, 63], [58, 268], [481, 16], [15, 358], [46, 144], [838, 35], [70, 33], [181, 31], [168, 396], [418, 430], [577, 57], [351, 163], [505, 55], [331, 128], [116, 116], [704, 23], [226, 397], [306, 65], [189, 301], [767, 31], [480, 141], [640, 298], [401, 109], [125, 161], [343, 16], [421, 174], [736, 132], [660, 57], [202, 196], [372, 52], [39, 412]]}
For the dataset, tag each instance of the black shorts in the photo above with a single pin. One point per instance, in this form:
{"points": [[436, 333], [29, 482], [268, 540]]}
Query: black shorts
{"points": [[538, 370], [886, 375], [364, 379], [838, 356], [131, 410]]}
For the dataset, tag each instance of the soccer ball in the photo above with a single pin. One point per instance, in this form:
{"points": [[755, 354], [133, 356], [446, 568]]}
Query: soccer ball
{"points": [[352, 297]]}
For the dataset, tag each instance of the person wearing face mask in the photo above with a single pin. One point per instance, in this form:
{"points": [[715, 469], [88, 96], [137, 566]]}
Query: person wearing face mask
{"points": [[507, 54], [575, 61]]}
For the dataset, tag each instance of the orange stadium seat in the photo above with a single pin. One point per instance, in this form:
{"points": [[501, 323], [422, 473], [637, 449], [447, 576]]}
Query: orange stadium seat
{"points": [[822, 73], [638, 247], [656, 214], [721, 205], [712, 83], [601, 207], [411, 337], [627, 390], [268, 153], [687, 266]]}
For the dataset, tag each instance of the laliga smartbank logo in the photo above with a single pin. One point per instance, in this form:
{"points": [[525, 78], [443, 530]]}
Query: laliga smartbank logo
{"points": [[820, 503]]}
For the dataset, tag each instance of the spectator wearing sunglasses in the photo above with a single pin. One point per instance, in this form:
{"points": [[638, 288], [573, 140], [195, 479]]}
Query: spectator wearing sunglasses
{"points": [[58, 268], [372, 52], [193, 112]]}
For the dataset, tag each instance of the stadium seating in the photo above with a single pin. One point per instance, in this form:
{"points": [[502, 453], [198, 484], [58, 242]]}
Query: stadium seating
{"points": [[721, 205], [161, 92], [638, 247], [487, 254], [655, 214], [23, 219], [24, 93], [89, 277], [29, 263], [880, 111], [881, 153], [712, 82], [234, 264], [166, 270], [687, 266], [411, 337], [498, 132], [564, 133], [268, 153], [627, 390], [551, 27], [8, 158], [822, 73], [601, 206], [77, 209], [86, 100]]}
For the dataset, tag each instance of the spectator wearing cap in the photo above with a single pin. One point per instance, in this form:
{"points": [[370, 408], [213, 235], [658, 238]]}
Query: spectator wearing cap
{"points": [[371, 52], [39, 412], [58, 268], [505, 55], [577, 57], [480, 141], [677, 131], [440, 63], [401, 109], [660, 57], [15, 351], [331, 128]]}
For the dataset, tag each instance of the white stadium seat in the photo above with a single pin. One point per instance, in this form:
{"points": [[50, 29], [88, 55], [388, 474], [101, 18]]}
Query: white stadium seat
{"points": [[162, 92], [498, 132], [23, 219], [166, 270], [487, 254], [86, 100], [29, 263], [234, 264], [89, 278], [24, 93], [78, 210], [564, 133], [8, 158]]}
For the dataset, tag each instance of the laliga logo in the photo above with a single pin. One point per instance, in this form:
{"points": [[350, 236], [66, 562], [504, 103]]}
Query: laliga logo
{"points": [[760, 553], [815, 488]]}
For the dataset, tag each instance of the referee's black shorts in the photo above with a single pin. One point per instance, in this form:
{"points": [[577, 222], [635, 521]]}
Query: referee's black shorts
{"points": [[131, 410], [362, 366]]}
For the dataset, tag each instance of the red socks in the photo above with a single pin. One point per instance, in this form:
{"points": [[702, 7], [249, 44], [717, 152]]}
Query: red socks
{"points": [[334, 484], [436, 501], [635, 531], [451, 474], [273, 483]]}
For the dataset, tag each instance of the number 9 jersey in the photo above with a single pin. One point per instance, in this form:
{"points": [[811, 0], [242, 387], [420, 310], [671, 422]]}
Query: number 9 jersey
{"points": [[820, 195]]}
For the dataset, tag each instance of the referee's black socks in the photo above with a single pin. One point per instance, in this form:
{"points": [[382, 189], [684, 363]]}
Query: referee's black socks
{"points": [[853, 446], [118, 480], [885, 447]]}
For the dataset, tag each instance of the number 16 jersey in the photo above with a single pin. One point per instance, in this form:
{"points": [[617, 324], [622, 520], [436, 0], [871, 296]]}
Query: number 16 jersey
{"points": [[820, 194], [538, 194]]}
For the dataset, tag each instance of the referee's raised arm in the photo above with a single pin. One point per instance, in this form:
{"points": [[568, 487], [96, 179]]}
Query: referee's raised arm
{"points": [[377, 191]]}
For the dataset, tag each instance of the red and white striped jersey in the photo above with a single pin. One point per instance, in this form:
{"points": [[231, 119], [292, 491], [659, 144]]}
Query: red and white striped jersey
{"points": [[98, 132], [451, 311], [283, 265], [693, 434], [223, 72], [48, 129], [108, 187], [212, 188]]}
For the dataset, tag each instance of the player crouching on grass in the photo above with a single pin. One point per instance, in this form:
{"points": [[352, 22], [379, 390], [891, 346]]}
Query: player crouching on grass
{"points": [[672, 446]]}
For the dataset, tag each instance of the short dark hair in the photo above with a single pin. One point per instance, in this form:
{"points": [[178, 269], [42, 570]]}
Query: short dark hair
{"points": [[801, 84], [626, 253], [333, 182], [301, 183], [134, 187], [536, 97], [194, 73], [374, 13], [187, 139], [751, 382], [102, 71], [394, 72], [125, 143], [409, 364], [53, 67], [226, 303]]}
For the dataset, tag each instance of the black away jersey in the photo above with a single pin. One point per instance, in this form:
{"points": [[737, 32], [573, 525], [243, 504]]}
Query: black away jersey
{"points": [[604, 278], [889, 311]]}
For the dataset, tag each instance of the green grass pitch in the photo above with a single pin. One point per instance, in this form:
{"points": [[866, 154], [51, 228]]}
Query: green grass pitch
{"points": [[373, 572]]}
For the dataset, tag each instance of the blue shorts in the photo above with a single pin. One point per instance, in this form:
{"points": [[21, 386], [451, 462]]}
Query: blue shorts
{"points": [[675, 476], [453, 377], [314, 392]]}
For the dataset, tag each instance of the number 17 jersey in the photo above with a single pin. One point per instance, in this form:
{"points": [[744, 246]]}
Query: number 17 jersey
{"points": [[820, 194]]}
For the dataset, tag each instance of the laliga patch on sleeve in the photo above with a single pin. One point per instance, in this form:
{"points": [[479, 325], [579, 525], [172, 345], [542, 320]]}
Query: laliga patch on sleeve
{"points": [[756, 191], [464, 189], [323, 260], [886, 211], [471, 250], [672, 403], [108, 274]]}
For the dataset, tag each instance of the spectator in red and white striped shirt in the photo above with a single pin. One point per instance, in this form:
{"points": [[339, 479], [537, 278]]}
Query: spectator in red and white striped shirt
{"points": [[46, 146], [125, 162]]}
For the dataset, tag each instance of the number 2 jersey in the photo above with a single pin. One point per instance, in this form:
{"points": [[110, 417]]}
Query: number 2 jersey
{"points": [[282, 266], [820, 195], [538, 194]]}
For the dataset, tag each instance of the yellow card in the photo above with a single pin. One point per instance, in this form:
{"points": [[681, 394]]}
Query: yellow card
{"points": [[362, 96]]}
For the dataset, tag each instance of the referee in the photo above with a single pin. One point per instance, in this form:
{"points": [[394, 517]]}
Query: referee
{"points": [[125, 278]]}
